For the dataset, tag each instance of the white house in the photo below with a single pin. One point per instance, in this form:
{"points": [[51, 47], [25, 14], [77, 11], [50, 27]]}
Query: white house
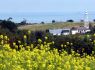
{"points": [[80, 30], [74, 31], [60, 31], [65, 31], [83, 30], [55, 31]]}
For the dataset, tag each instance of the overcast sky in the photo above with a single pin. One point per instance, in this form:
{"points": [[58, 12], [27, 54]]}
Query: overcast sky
{"points": [[14, 6]]}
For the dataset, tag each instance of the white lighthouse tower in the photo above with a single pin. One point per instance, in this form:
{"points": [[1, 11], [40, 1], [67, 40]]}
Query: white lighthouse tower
{"points": [[86, 20]]}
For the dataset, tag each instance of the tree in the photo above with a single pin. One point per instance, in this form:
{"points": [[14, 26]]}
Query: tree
{"points": [[93, 20], [9, 19], [53, 21], [81, 20], [42, 22], [23, 22], [11, 26], [70, 20]]}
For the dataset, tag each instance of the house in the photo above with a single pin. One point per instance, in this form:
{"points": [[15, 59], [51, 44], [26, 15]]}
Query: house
{"points": [[65, 31], [74, 31], [55, 31], [68, 31], [83, 30], [80, 30], [60, 31]]}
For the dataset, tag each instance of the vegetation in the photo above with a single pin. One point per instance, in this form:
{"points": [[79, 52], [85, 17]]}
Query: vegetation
{"points": [[40, 50], [41, 56], [70, 20], [53, 21], [43, 27], [7, 24]]}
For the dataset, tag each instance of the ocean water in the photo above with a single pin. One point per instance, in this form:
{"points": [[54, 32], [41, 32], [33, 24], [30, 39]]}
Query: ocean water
{"points": [[47, 17]]}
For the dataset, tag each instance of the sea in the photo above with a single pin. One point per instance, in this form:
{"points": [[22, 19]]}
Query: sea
{"points": [[47, 17]]}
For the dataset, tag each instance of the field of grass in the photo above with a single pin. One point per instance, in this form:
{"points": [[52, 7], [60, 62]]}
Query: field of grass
{"points": [[43, 27]]}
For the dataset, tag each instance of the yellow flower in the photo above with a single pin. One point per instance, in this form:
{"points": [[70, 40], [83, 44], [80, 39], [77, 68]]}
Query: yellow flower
{"points": [[75, 67], [6, 46], [71, 43], [29, 32], [94, 41], [88, 36], [65, 45], [62, 45], [32, 46], [68, 43], [50, 67], [2, 42], [20, 46], [14, 43], [53, 42], [39, 40], [67, 65], [25, 36], [19, 42], [5, 37], [28, 48], [44, 43], [46, 38], [87, 68], [94, 34], [28, 61], [59, 68], [43, 65], [1, 36], [16, 46]]}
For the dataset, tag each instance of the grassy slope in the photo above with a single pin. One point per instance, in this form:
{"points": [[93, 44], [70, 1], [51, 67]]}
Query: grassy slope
{"points": [[49, 26]]}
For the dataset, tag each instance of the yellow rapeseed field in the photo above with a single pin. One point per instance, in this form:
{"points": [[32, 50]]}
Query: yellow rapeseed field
{"points": [[42, 58]]}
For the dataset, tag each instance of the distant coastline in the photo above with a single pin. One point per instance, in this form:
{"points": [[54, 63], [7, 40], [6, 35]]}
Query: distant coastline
{"points": [[47, 17]]}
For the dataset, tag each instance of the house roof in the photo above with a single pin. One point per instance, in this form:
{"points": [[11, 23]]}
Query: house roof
{"points": [[65, 31], [79, 28], [59, 31], [82, 28], [56, 31]]}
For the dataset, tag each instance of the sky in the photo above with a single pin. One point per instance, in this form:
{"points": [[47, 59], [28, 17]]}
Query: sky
{"points": [[16, 6]]}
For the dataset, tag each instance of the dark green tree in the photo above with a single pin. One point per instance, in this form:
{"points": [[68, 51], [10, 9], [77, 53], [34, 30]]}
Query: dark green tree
{"points": [[53, 21], [70, 20], [6, 24]]}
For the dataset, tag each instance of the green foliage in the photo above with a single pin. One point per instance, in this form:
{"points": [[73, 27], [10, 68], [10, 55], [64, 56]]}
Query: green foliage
{"points": [[70, 20], [11, 26]]}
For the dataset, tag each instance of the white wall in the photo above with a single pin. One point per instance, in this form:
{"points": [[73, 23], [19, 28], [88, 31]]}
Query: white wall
{"points": [[74, 31], [66, 33]]}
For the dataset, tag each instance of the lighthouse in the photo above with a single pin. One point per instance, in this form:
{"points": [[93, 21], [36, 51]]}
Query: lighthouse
{"points": [[86, 20]]}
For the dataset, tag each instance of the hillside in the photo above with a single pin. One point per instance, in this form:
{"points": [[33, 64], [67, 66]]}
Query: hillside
{"points": [[43, 27]]}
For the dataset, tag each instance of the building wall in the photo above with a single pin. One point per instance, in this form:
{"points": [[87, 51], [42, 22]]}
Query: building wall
{"points": [[74, 32], [66, 33]]}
